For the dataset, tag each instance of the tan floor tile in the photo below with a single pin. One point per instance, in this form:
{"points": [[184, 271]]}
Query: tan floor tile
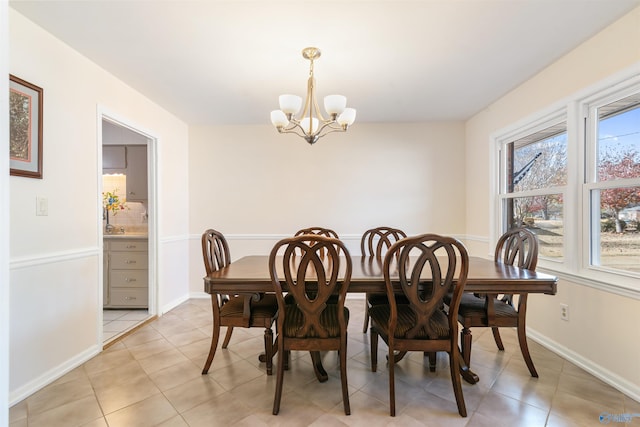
{"points": [[55, 395], [124, 373], [593, 389], [194, 392], [122, 394], [142, 336], [107, 360], [150, 412], [525, 388], [150, 348], [75, 413], [18, 412], [176, 421], [176, 375], [222, 410], [503, 410], [582, 411], [19, 423], [162, 360]]}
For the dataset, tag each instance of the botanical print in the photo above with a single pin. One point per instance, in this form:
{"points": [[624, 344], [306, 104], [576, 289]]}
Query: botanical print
{"points": [[20, 105]]}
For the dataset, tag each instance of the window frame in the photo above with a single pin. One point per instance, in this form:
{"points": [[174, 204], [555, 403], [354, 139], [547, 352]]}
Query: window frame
{"points": [[577, 110]]}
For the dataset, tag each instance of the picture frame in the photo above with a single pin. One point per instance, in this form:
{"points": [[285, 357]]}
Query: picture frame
{"points": [[25, 124]]}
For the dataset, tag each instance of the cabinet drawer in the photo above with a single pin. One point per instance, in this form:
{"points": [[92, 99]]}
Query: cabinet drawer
{"points": [[128, 245], [129, 297], [129, 260], [129, 278]]}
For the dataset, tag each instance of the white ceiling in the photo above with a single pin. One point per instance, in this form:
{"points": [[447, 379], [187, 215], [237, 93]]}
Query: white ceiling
{"points": [[226, 62]]}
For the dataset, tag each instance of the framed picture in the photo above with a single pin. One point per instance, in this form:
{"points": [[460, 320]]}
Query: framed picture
{"points": [[25, 124]]}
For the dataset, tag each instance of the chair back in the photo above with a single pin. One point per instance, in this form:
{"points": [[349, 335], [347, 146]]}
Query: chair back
{"points": [[313, 271], [377, 241], [317, 231], [428, 267], [519, 247], [215, 251]]}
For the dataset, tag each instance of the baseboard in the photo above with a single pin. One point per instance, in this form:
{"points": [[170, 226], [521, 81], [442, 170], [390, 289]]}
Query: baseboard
{"points": [[173, 304], [53, 374], [614, 380]]}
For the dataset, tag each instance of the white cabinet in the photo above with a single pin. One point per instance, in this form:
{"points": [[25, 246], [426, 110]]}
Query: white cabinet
{"points": [[114, 157], [126, 273], [136, 173], [130, 160]]}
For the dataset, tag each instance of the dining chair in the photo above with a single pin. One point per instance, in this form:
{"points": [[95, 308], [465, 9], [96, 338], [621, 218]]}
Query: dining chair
{"points": [[427, 266], [239, 310], [375, 243], [310, 268], [518, 246], [317, 231]]}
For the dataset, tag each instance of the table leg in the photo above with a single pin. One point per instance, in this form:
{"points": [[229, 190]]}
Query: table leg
{"points": [[467, 374], [321, 374]]}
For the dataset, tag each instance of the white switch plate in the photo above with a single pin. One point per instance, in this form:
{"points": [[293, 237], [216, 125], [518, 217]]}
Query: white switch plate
{"points": [[42, 206]]}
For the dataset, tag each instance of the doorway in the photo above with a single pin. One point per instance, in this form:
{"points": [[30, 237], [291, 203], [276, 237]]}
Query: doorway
{"points": [[127, 199]]}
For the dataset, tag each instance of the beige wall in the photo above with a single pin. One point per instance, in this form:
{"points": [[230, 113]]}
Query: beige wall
{"points": [[256, 185], [55, 260], [601, 332]]}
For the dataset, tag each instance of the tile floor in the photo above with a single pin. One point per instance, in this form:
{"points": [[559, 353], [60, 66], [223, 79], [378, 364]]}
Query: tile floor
{"points": [[152, 378], [116, 322]]}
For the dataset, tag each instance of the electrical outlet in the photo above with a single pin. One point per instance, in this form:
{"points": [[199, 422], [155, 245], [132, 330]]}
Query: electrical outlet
{"points": [[564, 312]]}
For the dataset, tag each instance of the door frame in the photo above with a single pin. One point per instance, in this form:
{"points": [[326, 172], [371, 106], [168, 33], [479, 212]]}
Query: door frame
{"points": [[152, 209]]}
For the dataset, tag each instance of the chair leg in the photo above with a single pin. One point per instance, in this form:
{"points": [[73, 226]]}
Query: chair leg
{"points": [[280, 377], [497, 339], [268, 349], [466, 339], [366, 315], [524, 348], [374, 350], [343, 377], [432, 361], [392, 384], [457, 383], [227, 337], [212, 350]]}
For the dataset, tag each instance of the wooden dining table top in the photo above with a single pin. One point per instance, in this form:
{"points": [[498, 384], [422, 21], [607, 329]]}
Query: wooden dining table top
{"points": [[251, 274]]}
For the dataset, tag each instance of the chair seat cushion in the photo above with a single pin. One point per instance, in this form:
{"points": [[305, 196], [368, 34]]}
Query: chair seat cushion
{"points": [[264, 309], [379, 299], [472, 306], [380, 314], [294, 320], [288, 299]]}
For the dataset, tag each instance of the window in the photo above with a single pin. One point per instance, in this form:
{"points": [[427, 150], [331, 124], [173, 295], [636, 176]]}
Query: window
{"points": [[572, 176], [613, 184], [533, 182]]}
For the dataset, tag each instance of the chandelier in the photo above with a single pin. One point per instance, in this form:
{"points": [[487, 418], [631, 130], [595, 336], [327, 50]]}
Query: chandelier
{"points": [[311, 124]]}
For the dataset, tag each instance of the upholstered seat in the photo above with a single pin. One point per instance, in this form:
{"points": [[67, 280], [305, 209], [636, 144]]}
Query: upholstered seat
{"points": [[519, 247], [374, 243], [426, 268], [307, 321], [240, 310]]}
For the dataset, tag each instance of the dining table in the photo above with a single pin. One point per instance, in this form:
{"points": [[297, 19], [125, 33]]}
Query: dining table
{"points": [[250, 274]]}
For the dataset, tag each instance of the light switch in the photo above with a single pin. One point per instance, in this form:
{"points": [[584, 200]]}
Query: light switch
{"points": [[42, 206]]}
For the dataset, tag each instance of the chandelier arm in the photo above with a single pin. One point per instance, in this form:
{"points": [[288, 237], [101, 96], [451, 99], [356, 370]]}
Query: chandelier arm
{"points": [[295, 129], [327, 128]]}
